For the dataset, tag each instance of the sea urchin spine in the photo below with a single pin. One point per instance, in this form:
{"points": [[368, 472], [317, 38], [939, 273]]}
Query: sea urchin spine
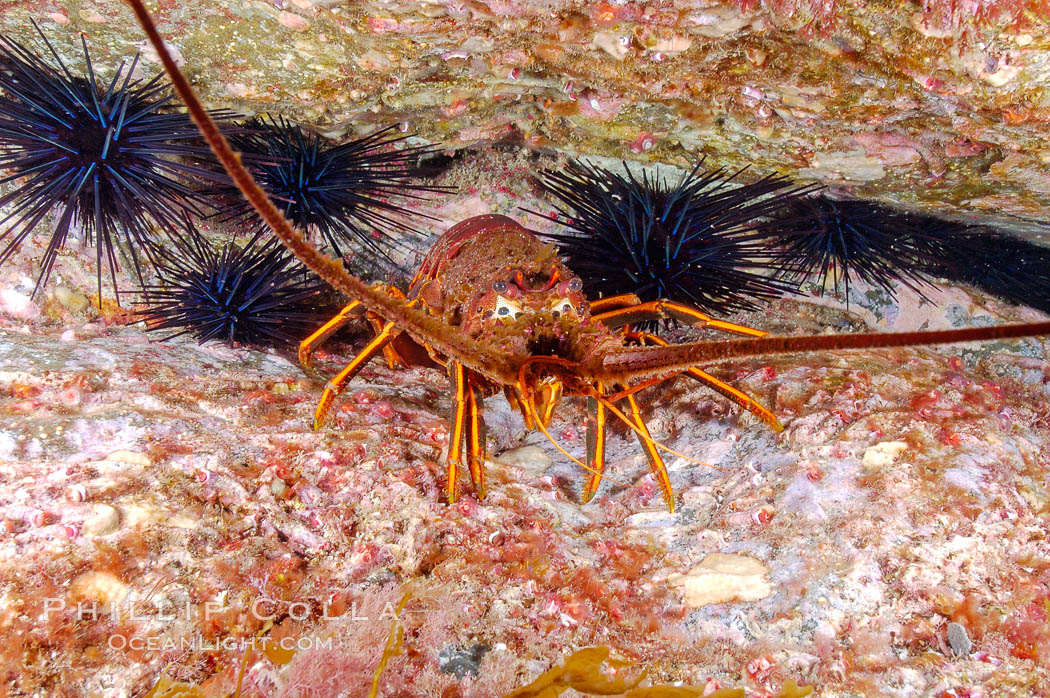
{"points": [[997, 263], [256, 294], [100, 153], [841, 240], [341, 191], [694, 242]]}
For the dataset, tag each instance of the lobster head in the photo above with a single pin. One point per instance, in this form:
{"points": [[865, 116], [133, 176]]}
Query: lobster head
{"points": [[514, 296], [498, 286], [537, 317]]}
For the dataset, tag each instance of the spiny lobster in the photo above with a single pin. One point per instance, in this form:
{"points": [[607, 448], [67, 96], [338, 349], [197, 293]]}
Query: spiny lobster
{"points": [[529, 308], [523, 324]]}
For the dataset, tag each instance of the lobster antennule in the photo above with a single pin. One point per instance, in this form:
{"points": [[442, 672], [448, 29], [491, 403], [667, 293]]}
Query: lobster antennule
{"points": [[638, 363], [418, 324]]}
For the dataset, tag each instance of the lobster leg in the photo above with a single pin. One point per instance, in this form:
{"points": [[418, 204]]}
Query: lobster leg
{"points": [[310, 344], [353, 309], [738, 396], [393, 359], [335, 386], [465, 428], [547, 400], [656, 463], [385, 333], [621, 301], [476, 439], [515, 400], [658, 310], [595, 445]]}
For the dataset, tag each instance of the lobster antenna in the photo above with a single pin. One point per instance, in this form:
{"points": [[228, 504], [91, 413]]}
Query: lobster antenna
{"points": [[634, 363], [539, 425], [646, 437], [418, 324]]}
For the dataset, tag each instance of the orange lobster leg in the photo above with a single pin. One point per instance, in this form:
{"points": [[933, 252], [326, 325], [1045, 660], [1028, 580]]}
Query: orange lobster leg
{"points": [[335, 386], [543, 402], [537, 410], [393, 359], [546, 401], [514, 399], [623, 300], [656, 463], [595, 445], [310, 344], [738, 396], [475, 439], [658, 310], [457, 426]]}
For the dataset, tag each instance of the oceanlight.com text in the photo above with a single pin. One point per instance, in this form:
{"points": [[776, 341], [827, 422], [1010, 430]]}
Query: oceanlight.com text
{"points": [[200, 644]]}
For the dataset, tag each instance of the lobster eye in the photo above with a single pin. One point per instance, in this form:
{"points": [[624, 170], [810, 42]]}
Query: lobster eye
{"points": [[506, 309], [562, 305], [575, 285], [500, 287]]}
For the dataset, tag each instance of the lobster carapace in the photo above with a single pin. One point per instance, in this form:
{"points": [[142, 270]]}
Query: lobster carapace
{"points": [[497, 283]]}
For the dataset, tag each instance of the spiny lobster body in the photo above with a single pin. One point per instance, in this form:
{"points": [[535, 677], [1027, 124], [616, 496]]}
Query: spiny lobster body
{"points": [[486, 272], [498, 284]]}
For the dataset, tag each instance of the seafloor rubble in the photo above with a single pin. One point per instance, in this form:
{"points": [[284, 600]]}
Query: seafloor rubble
{"points": [[163, 504]]}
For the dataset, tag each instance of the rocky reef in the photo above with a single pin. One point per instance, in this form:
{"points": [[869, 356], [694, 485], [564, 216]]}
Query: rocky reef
{"points": [[940, 105]]}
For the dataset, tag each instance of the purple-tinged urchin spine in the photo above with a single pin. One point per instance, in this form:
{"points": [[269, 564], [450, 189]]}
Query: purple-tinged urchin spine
{"points": [[257, 294], [998, 263], [840, 240], [107, 157], [836, 240], [351, 194], [694, 242]]}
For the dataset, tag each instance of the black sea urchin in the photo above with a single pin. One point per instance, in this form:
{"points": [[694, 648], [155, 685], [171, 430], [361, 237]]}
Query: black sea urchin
{"points": [[97, 153], [837, 240], [694, 243], [341, 191], [256, 294], [997, 263]]}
